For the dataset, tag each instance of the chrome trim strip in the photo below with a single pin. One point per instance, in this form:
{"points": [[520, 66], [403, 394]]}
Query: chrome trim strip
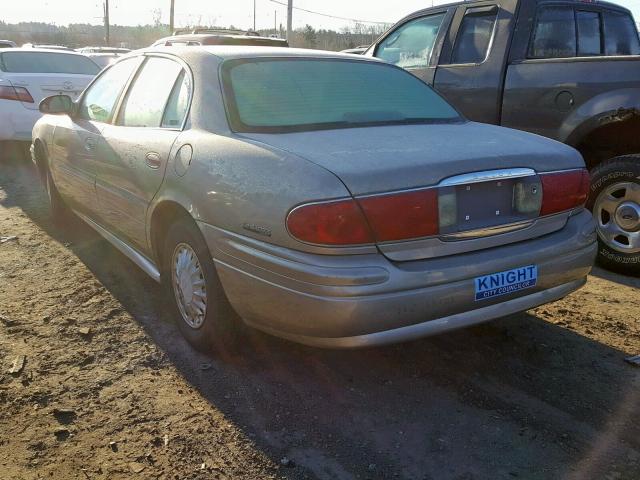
{"points": [[136, 257], [485, 232], [437, 326], [487, 176]]}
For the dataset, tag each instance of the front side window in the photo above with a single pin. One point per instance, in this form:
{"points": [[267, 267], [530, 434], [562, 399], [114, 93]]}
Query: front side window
{"points": [[99, 101], [620, 34], [148, 96], [474, 37], [410, 46], [280, 95], [47, 62], [555, 33]]}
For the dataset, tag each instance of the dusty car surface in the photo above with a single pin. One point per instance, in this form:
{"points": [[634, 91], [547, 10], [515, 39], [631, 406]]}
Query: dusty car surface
{"points": [[329, 199], [564, 69]]}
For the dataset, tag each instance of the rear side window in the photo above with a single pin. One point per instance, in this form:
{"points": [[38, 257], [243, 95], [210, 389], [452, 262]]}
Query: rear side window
{"points": [[474, 37], [555, 33], [47, 62], [620, 34], [149, 94], [178, 103], [410, 46], [100, 99], [589, 39]]}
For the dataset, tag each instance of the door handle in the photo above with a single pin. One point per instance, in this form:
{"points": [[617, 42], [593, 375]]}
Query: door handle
{"points": [[153, 160]]}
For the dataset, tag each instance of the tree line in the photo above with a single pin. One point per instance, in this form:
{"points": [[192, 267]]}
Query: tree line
{"points": [[80, 34]]}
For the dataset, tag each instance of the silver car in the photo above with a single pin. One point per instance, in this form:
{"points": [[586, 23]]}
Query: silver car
{"points": [[328, 199]]}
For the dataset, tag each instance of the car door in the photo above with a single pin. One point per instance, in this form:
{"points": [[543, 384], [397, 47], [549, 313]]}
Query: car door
{"points": [[139, 141], [470, 73], [415, 43], [78, 142]]}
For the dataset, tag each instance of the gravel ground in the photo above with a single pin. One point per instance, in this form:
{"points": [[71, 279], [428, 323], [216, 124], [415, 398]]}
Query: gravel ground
{"points": [[109, 390]]}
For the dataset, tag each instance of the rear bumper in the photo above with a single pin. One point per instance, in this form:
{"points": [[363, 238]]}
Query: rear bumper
{"points": [[17, 121], [361, 300]]}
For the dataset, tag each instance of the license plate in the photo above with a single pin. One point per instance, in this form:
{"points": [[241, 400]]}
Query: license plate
{"points": [[503, 283]]}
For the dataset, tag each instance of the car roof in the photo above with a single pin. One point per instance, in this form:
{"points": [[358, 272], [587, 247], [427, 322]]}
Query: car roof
{"points": [[44, 50], [472, 2], [228, 52], [194, 37]]}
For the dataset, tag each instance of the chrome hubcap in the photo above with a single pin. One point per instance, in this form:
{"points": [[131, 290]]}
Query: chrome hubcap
{"points": [[189, 286], [617, 215]]}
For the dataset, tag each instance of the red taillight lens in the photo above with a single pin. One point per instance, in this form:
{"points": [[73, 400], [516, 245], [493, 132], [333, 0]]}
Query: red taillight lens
{"points": [[401, 216], [330, 223], [20, 94], [563, 191]]}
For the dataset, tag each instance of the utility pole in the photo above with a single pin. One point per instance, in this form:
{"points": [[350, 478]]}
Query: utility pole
{"points": [[106, 22], [290, 21], [171, 16], [254, 15], [275, 22]]}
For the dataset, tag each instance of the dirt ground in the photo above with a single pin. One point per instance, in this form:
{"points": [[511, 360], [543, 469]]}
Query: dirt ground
{"points": [[109, 390]]}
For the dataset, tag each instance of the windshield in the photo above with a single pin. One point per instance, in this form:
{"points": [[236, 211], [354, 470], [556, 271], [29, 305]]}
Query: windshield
{"points": [[47, 62], [281, 95]]}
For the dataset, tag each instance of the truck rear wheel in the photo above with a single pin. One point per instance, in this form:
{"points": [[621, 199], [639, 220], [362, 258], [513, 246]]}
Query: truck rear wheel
{"points": [[615, 203]]}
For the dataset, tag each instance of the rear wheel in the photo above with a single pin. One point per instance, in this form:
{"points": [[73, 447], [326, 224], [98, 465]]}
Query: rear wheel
{"points": [[615, 203], [203, 313]]}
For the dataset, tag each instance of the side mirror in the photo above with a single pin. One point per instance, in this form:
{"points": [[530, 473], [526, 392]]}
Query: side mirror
{"points": [[57, 105]]}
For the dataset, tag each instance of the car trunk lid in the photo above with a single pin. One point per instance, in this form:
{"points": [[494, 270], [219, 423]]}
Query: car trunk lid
{"points": [[41, 85], [478, 170]]}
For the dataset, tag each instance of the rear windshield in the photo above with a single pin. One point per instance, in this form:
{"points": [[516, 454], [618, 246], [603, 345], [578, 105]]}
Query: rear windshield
{"points": [[283, 95], [47, 62]]}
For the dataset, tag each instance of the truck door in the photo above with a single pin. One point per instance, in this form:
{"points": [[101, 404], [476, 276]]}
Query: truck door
{"points": [[563, 57], [470, 71]]}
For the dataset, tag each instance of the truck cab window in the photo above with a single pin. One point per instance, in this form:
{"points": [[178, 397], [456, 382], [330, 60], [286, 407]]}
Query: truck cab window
{"points": [[589, 41], [620, 34], [410, 46], [474, 36], [555, 33]]}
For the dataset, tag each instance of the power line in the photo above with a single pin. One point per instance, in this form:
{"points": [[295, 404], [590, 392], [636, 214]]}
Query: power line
{"points": [[331, 16]]}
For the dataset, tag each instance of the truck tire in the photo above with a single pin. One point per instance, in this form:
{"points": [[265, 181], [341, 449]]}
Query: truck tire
{"points": [[203, 313], [615, 203]]}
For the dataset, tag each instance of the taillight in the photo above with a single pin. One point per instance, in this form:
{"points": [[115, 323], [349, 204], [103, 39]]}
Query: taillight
{"points": [[563, 191], [338, 222], [400, 216], [20, 94]]}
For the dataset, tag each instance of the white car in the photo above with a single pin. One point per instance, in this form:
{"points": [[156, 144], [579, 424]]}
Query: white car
{"points": [[7, 44], [29, 75]]}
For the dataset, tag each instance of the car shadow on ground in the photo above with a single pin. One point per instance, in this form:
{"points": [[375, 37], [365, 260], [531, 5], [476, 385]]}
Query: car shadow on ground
{"points": [[517, 397], [628, 281]]}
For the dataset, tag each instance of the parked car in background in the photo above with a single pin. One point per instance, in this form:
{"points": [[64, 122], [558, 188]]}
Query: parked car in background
{"points": [[110, 50], [29, 75], [219, 37], [7, 44], [47, 47], [567, 70], [330, 199], [102, 59], [356, 50]]}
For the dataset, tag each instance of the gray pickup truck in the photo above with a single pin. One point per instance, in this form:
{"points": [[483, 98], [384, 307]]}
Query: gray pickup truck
{"points": [[563, 69]]}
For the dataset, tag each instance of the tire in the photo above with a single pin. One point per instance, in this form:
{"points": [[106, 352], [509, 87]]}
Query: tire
{"points": [[615, 203], [59, 211], [216, 329]]}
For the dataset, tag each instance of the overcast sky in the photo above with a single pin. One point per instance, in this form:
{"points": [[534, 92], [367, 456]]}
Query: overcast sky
{"points": [[221, 13]]}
